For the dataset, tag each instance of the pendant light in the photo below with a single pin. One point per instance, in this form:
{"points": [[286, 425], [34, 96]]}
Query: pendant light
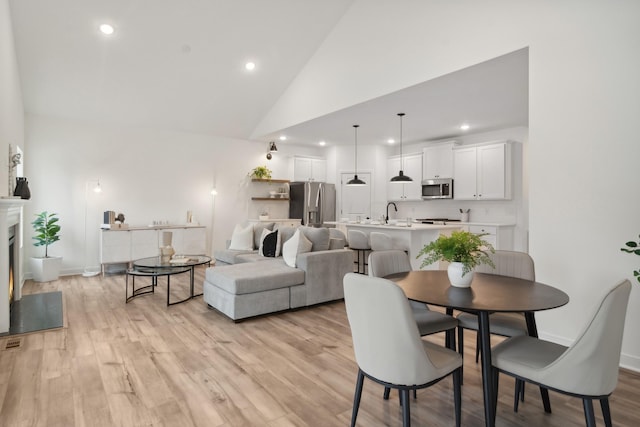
{"points": [[401, 178], [355, 181]]}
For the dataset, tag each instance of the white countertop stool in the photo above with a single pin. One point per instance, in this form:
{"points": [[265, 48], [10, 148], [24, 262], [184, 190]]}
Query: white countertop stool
{"points": [[359, 242]]}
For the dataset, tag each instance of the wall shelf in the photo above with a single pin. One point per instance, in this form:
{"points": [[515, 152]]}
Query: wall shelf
{"points": [[275, 181], [271, 199]]}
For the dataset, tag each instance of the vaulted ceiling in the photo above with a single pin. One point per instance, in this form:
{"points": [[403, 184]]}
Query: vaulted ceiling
{"points": [[180, 65]]}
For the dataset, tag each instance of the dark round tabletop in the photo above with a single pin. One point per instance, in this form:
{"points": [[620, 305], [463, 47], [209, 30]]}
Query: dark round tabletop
{"points": [[488, 292]]}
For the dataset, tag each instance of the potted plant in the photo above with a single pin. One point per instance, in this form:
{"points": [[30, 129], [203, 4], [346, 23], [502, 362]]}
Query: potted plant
{"points": [[47, 231], [463, 250], [633, 248], [260, 172]]}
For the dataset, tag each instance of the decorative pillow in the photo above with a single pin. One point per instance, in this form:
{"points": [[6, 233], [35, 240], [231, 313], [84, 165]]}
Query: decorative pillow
{"points": [[242, 238], [296, 245], [269, 243], [318, 236], [257, 232], [285, 232]]}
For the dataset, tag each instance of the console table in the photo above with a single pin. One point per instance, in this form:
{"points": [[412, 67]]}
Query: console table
{"points": [[122, 246]]}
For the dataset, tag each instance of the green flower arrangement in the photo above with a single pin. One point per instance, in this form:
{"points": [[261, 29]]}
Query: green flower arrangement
{"points": [[461, 246], [260, 172], [633, 248]]}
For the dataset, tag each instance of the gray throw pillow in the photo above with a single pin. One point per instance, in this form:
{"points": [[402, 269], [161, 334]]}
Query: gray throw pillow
{"points": [[319, 237], [285, 232]]}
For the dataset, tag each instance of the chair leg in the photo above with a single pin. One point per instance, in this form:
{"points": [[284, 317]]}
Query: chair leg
{"points": [[545, 399], [606, 412], [588, 412], [477, 346], [457, 395], [461, 351], [385, 396], [356, 397], [517, 393], [406, 413]]}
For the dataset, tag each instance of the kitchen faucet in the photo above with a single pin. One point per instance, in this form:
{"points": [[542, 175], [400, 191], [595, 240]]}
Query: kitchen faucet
{"points": [[386, 220]]}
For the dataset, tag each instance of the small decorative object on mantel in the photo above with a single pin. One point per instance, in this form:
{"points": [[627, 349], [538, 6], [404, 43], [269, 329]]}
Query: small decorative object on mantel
{"points": [[463, 250], [260, 172], [22, 188], [633, 248]]}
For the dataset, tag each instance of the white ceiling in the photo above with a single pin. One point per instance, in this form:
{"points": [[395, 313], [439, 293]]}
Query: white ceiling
{"points": [[179, 65]]}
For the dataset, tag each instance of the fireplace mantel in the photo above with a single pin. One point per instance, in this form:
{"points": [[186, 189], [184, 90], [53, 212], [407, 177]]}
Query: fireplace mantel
{"points": [[10, 216]]}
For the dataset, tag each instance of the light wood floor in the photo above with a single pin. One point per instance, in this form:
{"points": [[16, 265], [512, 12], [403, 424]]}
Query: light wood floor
{"points": [[143, 364]]}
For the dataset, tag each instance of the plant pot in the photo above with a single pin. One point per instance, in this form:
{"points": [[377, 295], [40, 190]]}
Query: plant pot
{"points": [[46, 269], [454, 271], [263, 217]]}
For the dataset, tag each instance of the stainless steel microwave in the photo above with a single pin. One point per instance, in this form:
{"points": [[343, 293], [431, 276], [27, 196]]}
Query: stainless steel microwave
{"points": [[441, 188]]}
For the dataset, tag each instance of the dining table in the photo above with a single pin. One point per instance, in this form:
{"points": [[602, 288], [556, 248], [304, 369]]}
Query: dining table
{"points": [[488, 293]]}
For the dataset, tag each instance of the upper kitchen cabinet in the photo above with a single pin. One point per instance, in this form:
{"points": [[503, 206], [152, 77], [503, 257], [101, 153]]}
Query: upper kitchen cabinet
{"points": [[309, 169], [482, 172], [437, 161], [413, 169]]}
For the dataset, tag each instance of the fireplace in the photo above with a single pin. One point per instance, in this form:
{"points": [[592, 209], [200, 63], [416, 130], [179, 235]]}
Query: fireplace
{"points": [[11, 259]]}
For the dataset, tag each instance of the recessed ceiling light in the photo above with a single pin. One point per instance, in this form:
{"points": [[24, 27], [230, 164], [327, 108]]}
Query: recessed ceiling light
{"points": [[283, 138], [106, 29], [464, 126], [391, 141], [323, 143], [250, 66]]}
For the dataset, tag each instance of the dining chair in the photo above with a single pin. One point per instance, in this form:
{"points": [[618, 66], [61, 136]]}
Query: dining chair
{"points": [[388, 348], [507, 263], [383, 263], [359, 242], [587, 369]]}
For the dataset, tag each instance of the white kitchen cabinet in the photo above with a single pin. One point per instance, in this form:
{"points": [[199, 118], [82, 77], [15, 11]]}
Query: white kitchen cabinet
{"points": [[482, 172], [499, 236], [437, 161], [413, 169], [309, 169]]}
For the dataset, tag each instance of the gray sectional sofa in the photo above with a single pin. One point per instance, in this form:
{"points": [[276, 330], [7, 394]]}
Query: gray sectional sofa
{"points": [[244, 284]]}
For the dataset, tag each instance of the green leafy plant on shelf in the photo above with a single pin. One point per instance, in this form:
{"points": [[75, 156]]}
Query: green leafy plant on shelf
{"points": [[461, 246], [46, 227], [633, 248], [260, 172]]}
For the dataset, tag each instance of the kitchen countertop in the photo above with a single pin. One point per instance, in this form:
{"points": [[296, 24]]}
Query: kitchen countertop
{"points": [[414, 226]]}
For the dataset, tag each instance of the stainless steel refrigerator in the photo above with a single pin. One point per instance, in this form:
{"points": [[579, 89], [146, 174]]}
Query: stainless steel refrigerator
{"points": [[314, 202]]}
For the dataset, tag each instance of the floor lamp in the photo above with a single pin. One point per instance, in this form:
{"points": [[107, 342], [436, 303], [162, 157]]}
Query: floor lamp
{"points": [[95, 186]]}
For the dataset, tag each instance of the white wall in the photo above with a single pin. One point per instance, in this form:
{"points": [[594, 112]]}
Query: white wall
{"points": [[148, 175], [11, 108], [583, 104]]}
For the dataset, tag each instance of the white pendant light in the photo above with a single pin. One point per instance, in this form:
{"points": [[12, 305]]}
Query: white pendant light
{"points": [[401, 178], [355, 181]]}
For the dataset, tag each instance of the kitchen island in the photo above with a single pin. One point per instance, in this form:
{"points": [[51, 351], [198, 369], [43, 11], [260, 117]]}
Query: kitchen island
{"points": [[411, 239]]}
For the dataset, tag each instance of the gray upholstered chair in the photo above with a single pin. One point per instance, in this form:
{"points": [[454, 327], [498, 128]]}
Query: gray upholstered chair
{"points": [[337, 239], [382, 263], [512, 264], [388, 348], [587, 369], [359, 242], [380, 241]]}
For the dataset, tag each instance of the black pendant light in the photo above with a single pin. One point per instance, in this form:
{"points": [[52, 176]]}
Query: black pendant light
{"points": [[401, 178], [355, 180]]}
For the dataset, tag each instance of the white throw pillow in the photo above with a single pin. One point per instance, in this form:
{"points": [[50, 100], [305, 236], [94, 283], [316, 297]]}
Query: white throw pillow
{"points": [[269, 243], [295, 245], [242, 238]]}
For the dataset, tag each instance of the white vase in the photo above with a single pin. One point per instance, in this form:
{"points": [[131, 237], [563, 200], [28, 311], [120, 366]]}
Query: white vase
{"points": [[454, 271]]}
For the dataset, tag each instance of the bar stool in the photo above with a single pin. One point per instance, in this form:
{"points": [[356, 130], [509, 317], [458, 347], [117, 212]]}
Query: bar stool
{"points": [[380, 241], [359, 242]]}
